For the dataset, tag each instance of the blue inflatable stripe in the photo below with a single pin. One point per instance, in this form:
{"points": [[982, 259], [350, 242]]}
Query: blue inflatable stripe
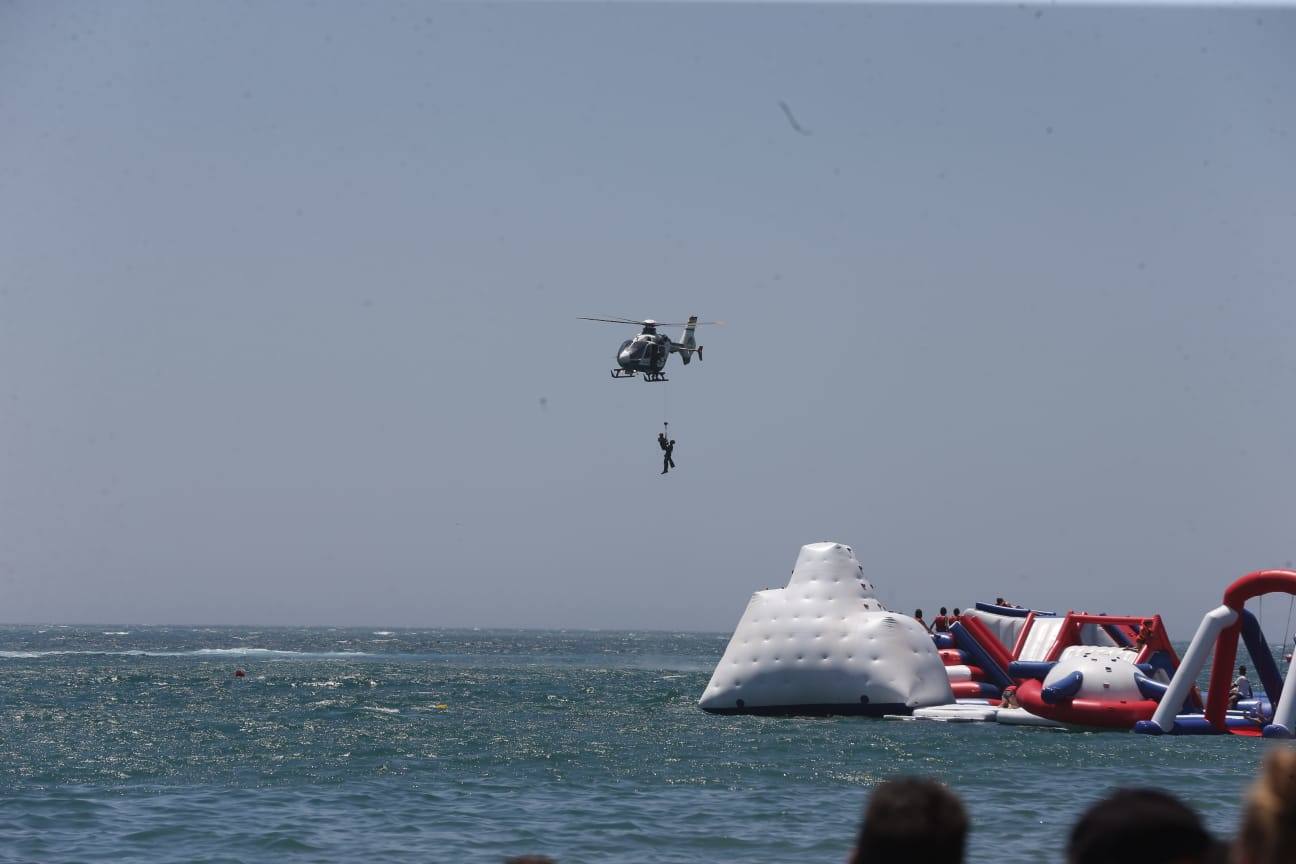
{"points": [[1160, 662], [1022, 669], [974, 650], [1196, 724], [1253, 708], [1192, 724], [1261, 657], [1013, 611], [1003, 610], [1148, 688], [1117, 634], [1063, 689]]}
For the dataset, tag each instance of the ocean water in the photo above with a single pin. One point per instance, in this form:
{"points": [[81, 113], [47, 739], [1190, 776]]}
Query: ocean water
{"points": [[139, 744]]}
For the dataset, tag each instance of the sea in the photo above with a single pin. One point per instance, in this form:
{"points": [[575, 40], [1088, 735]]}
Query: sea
{"points": [[140, 744]]}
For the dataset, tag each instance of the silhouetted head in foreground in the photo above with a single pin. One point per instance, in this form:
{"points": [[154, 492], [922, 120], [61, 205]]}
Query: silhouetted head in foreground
{"points": [[1142, 825], [913, 820], [1268, 834]]}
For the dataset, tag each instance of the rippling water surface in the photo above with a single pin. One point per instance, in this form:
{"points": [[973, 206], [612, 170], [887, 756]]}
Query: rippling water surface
{"points": [[139, 744]]}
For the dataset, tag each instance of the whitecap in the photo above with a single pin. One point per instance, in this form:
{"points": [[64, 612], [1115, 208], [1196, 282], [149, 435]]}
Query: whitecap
{"points": [[380, 709], [265, 652], [201, 652]]}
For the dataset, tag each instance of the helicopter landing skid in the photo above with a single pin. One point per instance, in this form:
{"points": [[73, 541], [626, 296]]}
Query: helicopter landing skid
{"points": [[623, 373], [655, 376]]}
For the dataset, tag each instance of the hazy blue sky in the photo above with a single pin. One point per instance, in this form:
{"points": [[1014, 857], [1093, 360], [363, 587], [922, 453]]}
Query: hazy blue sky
{"points": [[282, 287]]}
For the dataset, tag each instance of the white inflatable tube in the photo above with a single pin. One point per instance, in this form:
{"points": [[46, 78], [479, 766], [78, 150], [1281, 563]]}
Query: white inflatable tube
{"points": [[1284, 719], [958, 713], [1190, 667], [1022, 717]]}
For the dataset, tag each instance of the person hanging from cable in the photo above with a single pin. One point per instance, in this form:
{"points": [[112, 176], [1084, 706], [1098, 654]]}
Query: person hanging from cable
{"points": [[668, 447]]}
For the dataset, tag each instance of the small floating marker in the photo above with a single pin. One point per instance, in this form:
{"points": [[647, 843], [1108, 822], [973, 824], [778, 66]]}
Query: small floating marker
{"points": [[441, 706], [239, 673]]}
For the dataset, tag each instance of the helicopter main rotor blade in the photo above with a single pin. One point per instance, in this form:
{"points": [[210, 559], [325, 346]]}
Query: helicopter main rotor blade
{"points": [[646, 323]]}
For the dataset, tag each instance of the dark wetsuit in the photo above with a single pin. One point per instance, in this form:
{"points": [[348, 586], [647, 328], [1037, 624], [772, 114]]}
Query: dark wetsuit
{"points": [[668, 447]]}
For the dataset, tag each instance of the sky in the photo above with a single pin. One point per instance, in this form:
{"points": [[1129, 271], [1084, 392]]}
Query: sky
{"points": [[289, 299]]}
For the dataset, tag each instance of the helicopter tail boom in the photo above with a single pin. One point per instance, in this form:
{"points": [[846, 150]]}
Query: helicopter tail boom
{"points": [[688, 343]]}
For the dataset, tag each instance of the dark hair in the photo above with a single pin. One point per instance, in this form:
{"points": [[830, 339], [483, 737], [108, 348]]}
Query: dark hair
{"points": [[943, 611], [529, 859], [1144, 825], [956, 611], [1241, 670], [911, 819], [917, 613]]}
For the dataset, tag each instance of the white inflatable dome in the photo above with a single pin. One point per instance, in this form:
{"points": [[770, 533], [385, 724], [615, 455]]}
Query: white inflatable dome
{"points": [[1108, 673], [825, 645]]}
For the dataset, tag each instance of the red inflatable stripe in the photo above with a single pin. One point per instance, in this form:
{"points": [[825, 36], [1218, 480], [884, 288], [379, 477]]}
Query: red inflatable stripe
{"points": [[974, 690], [988, 641], [1085, 712]]}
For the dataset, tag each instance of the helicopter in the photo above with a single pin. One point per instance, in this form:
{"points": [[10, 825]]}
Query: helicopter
{"points": [[647, 353]]}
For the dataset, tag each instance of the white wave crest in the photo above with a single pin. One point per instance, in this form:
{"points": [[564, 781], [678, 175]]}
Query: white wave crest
{"points": [[200, 652]]}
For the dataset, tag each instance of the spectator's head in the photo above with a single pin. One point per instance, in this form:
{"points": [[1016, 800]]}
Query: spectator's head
{"points": [[917, 613], [1268, 833], [999, 601], [943, 612], [1142, 825], [956, 612], [1241, 670], [914, 820]]}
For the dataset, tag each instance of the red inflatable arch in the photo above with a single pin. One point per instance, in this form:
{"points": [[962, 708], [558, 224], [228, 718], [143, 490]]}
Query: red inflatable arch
{"points": [[1235, 597]]}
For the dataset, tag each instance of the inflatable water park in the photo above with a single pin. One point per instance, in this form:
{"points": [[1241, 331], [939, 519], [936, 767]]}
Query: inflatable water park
{"points": [[825, 645]]}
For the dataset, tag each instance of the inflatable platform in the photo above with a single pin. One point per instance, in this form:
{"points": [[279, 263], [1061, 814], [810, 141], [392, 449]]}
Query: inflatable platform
{"points": [[1077, 671], [825, 644], [1274, 715]]}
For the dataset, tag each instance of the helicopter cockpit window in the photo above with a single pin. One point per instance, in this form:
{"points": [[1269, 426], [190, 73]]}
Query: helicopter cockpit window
{"points": [[638, 350]]}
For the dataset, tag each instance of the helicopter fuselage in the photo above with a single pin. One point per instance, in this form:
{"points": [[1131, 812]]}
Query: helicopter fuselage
{"points": [[646, 353]]}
